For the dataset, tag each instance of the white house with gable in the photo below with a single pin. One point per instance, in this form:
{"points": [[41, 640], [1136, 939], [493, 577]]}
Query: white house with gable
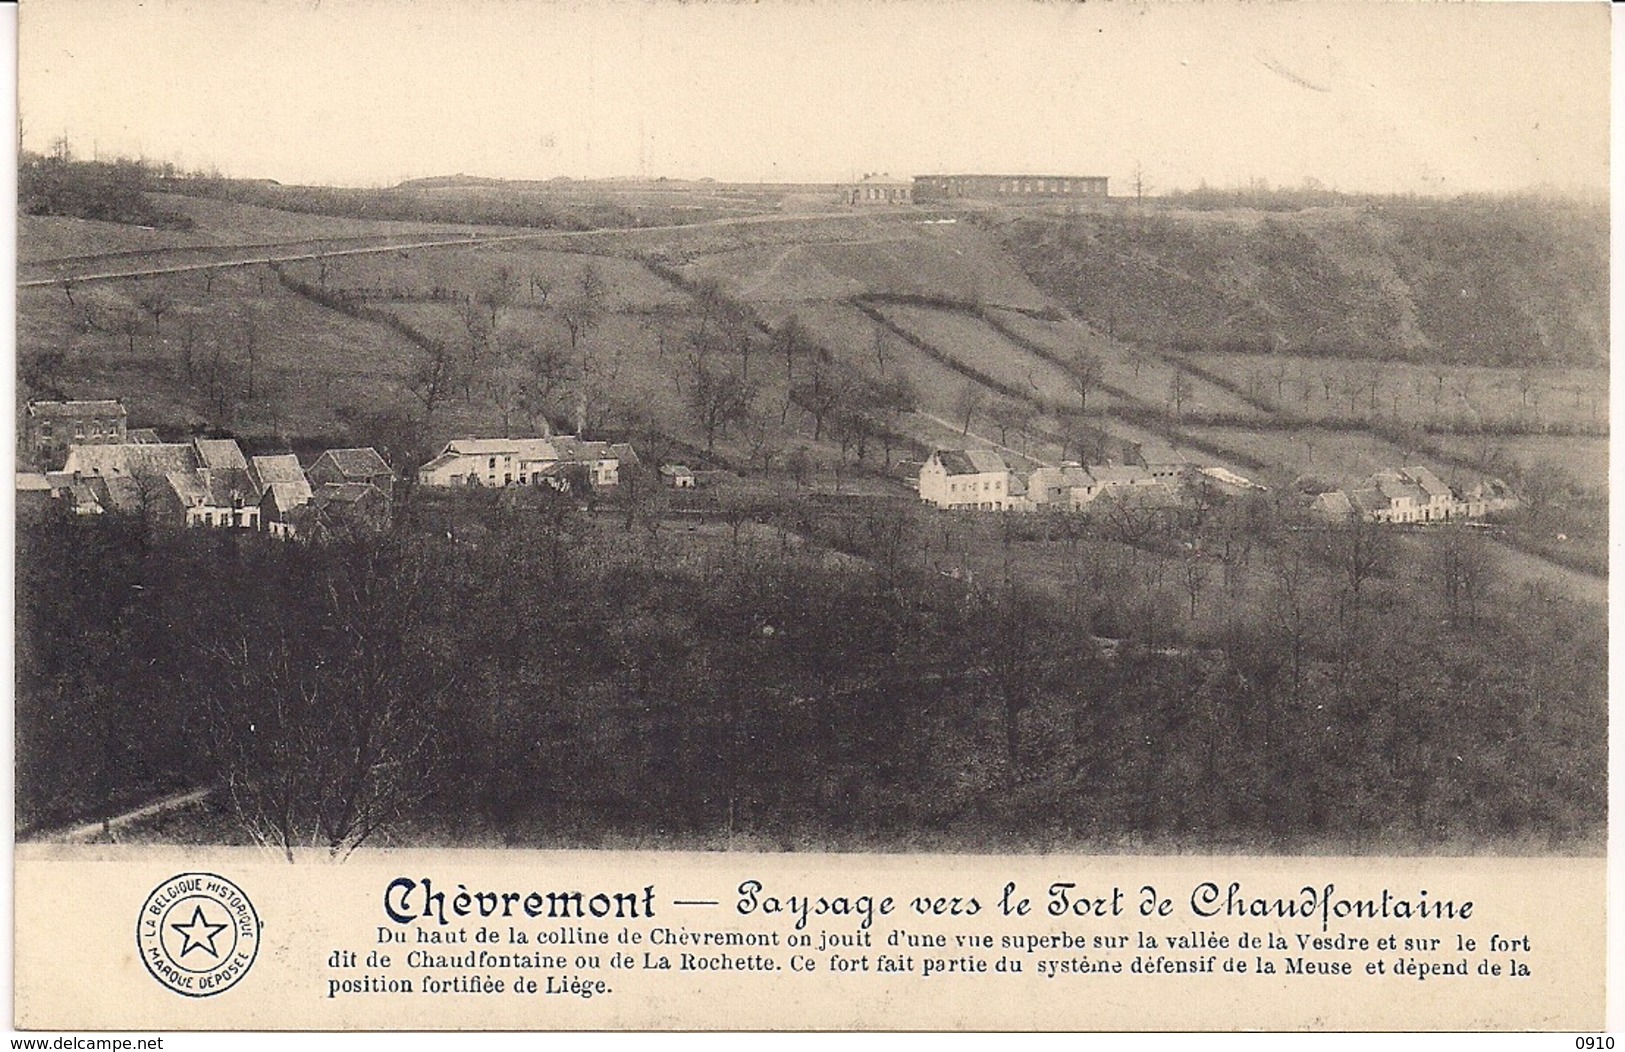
{"points": [[967, 478]]}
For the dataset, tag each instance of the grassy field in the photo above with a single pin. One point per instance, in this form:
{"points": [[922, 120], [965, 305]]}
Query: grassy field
{"points": [[1584, 460], [895, 256], [628, 284], [311, 366], [44, 238], [1143, 376], [1457, 396]]}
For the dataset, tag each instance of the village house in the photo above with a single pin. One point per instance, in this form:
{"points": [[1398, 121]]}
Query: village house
{"points": [[283, 490], [677, 476], [131, 477], [207, 498], [1060, 489], [362, 465], [51, 427], [34, 492], [200, 483], [338, 508], [966, 478], [526, 462]]}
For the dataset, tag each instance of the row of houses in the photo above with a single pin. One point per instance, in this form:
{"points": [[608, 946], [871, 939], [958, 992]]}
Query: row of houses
{"points": [[981, 479], [1413, 494], [211, 483], [551, 461]]}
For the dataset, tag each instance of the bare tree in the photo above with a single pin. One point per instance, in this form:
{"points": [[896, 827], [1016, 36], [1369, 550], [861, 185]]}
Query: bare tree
{"points": [[498, 293], [970, 401], [324, 731], [1541, 485], [129, 323], [1527, 380], [188, 345], [1193, 574], [822, 389], [250, 339], [888, 399], [1179, 390], [433, 377], [1085, 370], [1135, 356], [157, 303], [718, 398], [1008, 415]]}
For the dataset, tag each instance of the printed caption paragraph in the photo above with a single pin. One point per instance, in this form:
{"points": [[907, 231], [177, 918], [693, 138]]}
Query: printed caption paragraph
{"points": [[455, 939]]}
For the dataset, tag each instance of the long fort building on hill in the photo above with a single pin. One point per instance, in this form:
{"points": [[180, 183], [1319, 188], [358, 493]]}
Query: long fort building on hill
{"points": [[929, 188]]}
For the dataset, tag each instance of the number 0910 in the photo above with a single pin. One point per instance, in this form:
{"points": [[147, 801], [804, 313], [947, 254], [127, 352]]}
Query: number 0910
{"points": [[1594, 1044]]}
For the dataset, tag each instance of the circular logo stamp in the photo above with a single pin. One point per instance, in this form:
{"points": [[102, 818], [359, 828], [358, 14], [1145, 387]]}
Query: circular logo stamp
{"points": [[198, 934]]}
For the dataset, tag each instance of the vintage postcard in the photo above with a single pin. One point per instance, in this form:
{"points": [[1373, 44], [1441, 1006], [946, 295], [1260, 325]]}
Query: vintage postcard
{"points": [[811, 516]]}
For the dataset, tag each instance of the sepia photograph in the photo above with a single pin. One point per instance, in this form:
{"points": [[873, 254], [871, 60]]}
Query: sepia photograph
{"points": [[989, 428]]}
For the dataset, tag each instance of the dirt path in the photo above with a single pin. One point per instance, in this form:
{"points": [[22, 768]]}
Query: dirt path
{"points": [[91, 830], [436, 242], [982, 438]]}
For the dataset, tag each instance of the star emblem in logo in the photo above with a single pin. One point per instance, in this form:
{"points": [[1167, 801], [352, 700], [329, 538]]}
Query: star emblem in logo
{"points": [[199, 933]]}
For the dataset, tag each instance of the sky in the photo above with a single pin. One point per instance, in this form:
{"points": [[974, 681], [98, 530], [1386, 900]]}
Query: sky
{"points": [[1361, 96]]}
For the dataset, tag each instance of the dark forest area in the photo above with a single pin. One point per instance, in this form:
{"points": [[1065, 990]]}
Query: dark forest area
{"points": [[515, 669]]}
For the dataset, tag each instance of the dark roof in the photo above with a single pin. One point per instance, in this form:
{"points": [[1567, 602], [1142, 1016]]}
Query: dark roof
{"points": [[289, 495], [220, 454], [970, 461], [363, 463], [278, 467], [132, 458]]}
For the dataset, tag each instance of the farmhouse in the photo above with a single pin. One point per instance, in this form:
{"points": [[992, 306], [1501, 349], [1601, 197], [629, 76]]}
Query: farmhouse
{"points": [[1062, 488], [525, 462], [928, 188], [51, 427], [966, 478]]}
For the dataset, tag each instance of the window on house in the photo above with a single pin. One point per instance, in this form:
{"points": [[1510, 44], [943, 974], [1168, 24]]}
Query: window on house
{"points": [[493, 464]]}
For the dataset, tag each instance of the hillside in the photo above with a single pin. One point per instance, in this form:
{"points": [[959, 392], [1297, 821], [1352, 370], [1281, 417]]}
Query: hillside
{"points": [[1512, 283], [1217, 335]]}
